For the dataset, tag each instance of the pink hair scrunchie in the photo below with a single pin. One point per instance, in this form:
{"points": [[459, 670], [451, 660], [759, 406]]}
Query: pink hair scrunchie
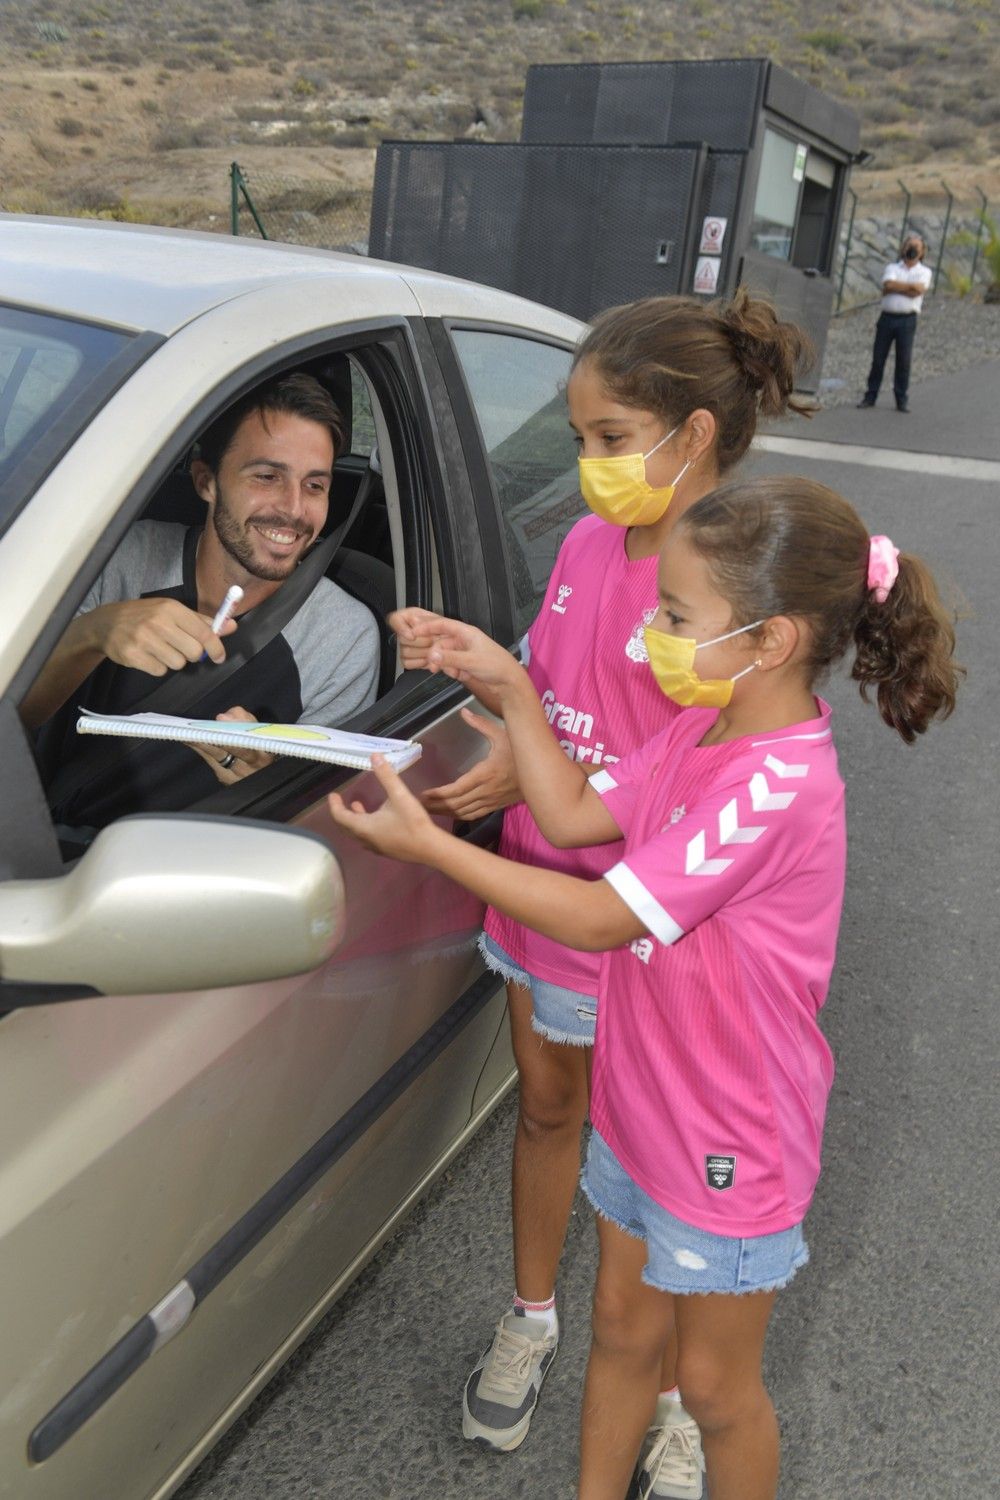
{"points": [[883, 569]]}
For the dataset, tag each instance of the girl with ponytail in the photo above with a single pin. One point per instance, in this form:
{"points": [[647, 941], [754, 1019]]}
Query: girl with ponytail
{"points": [[718, 927]]}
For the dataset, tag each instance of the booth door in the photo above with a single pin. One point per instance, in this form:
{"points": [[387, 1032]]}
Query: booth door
{"points": [[793, 231], [805, 298]]}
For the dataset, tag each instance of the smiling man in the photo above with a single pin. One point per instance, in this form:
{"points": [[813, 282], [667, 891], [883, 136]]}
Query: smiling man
{"points": [[264, 470]]}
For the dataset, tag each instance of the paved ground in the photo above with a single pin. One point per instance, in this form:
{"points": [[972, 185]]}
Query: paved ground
{"points": [[882, 1356]]}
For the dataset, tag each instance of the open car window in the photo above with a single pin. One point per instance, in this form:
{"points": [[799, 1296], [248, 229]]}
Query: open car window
{"points": [[341, 636]]}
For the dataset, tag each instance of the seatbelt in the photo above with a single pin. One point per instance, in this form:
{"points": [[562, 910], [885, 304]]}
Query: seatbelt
{"points": [[182, 691]]}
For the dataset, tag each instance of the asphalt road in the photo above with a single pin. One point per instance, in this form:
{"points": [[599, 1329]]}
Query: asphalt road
{"points": [[882, 1355]]}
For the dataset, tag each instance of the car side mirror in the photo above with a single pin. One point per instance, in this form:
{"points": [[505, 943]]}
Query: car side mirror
{"points": [[159, 904]]}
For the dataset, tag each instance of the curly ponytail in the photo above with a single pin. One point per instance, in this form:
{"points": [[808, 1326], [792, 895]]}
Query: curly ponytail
{"points": [[782, 545], [769, 351], [904, 651]]}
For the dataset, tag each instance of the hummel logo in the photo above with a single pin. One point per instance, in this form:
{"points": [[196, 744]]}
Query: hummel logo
{"points": [[643, 949], [560, 604]]}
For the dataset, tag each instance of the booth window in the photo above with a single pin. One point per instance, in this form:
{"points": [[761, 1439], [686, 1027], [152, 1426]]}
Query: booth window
{"points": [[777, 200], [793, 210]]}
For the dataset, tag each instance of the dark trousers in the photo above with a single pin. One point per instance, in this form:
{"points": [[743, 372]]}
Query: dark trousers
{"points": [[901, 328]]}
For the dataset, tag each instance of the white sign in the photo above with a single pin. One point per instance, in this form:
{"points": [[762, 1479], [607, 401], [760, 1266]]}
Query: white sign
{"points": [[799, 169], [713, 232], [706, 274]]}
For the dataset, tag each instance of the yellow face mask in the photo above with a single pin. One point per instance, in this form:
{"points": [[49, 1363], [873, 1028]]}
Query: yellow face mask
{"points": [[671, 658], [616, 489]]}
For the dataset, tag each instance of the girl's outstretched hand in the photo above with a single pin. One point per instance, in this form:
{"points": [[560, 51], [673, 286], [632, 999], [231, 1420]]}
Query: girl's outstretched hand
{"points": [[399, 828], [460, 651], [491, 783]]}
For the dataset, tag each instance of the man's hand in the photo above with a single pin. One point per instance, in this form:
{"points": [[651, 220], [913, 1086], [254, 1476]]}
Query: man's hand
{"points": [[400, 828], [231, 764], [154, 635]]}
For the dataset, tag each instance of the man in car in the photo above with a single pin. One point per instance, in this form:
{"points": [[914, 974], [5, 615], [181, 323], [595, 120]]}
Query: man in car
{"points": [[264, 470]]}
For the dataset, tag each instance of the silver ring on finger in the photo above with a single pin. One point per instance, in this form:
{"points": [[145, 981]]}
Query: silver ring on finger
{"points": [[227, 761]]}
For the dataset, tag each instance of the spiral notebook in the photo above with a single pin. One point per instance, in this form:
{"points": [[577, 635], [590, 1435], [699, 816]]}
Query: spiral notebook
{"points": [[308, 741]]}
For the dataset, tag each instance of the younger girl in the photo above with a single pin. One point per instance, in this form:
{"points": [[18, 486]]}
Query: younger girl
{"points": [[719, 927]]}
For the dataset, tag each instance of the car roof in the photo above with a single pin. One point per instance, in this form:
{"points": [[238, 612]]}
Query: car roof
{"points": [[139, 277]]}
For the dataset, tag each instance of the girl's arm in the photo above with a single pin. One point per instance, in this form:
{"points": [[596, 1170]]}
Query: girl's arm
{"points": [[584, 914], [567, 810]]}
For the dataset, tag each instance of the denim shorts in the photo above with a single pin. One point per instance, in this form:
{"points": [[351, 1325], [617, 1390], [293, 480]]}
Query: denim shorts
{"points": [[680, 1258], [558, 1015]]}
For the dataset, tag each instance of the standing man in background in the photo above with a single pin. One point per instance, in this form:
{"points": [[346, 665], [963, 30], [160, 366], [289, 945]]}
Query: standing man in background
{"points": [[903, 286]]}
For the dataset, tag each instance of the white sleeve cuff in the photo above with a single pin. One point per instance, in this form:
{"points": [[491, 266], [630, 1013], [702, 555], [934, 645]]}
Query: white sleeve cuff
{"points": [[646, 907], [602, 782]]}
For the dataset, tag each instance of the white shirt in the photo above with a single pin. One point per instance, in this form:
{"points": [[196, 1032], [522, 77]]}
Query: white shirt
{"points": [[916, 275]]}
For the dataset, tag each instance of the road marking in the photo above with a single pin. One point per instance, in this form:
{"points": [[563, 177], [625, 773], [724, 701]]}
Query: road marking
{"points": [[947, 466]]}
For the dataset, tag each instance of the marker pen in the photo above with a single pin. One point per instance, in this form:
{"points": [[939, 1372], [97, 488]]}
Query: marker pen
{"points": [[225, 609]]}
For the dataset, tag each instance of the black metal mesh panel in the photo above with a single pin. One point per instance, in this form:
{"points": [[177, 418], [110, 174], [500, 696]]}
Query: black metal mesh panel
{"points": [[645, 103], [802, 104], [719, 198], [717, 102], [649, 198], [575, 227], [634, 104], [560, 102]]}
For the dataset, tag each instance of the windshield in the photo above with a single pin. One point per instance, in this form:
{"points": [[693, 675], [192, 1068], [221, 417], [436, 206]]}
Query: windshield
{"points": [[54, 373]]}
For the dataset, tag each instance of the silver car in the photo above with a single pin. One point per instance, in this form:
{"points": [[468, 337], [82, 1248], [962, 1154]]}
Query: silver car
{"points": [[234, 1047]]}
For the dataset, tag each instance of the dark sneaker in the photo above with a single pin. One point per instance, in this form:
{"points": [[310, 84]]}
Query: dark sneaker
{"points": [[671, 1463], [502, 1391], [865, 401], [902, 406]]}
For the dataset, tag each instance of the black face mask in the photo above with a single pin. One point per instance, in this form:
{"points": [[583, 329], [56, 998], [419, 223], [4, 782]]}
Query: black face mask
{"points": [[911, 254]]}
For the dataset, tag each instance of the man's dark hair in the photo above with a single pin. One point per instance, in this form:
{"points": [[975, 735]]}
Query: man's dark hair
{"points": [[297, 395]]}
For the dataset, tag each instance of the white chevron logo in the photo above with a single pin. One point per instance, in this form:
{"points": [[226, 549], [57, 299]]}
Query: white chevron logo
{"points": [[763, 799], [781, 769], [697, 864], [730, 832]]}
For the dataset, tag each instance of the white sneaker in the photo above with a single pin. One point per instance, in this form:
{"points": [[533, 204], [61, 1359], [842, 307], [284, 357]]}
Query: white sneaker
{"points": [[502, 1391], [671, 1462]]}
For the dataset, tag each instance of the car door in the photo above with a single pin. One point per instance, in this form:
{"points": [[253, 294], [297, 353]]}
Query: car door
{"points": [[190, 1179]]}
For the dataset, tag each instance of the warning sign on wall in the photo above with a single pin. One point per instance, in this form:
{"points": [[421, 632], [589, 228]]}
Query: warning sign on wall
{"points": [[713, 232], [706, 274]]}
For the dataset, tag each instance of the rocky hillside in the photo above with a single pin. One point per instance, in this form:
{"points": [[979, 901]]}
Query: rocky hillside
{"points": [[110, 106]]}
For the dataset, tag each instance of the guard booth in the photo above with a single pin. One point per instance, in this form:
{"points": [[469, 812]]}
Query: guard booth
{"points": [[634, 180]]}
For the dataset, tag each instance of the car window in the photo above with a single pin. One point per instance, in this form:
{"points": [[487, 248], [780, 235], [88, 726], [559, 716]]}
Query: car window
{"points": [[332, 660], [46, 363], [363, 419], [517, 388]]}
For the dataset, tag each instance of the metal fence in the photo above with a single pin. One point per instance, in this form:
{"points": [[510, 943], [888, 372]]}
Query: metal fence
{"points": [[299, 211], [958, 232]]}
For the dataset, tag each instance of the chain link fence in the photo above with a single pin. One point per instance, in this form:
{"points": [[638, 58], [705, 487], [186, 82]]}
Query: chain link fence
{"points": [[961, 239], [299, 211]]}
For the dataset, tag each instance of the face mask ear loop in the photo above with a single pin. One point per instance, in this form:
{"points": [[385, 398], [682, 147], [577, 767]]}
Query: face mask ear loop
{"points": [[750, 668], [681, 474], [660, 444]]}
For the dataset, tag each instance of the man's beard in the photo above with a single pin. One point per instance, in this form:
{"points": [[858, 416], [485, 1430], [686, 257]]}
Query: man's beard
{"points": [[234, 537]]}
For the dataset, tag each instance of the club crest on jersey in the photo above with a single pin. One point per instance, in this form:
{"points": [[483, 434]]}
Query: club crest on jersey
{"points": [[636, 647], [643, 949], [720, 1172], [559, 604]]}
